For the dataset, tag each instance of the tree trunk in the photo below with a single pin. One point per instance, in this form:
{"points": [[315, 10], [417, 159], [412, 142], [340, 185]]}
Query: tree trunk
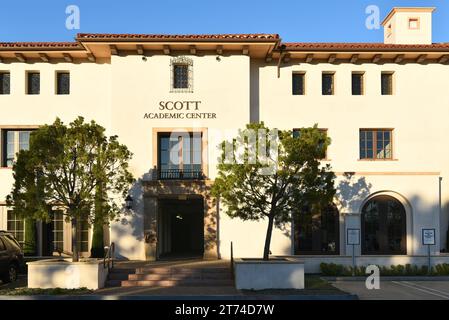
{"points": [[75, 256], [266, 250]]}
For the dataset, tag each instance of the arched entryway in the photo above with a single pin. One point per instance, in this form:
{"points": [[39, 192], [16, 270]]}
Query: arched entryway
{"points": [[384, 226]]}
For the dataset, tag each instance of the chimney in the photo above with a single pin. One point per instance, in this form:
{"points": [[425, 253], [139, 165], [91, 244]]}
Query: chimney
{"points": [[408, 26]]}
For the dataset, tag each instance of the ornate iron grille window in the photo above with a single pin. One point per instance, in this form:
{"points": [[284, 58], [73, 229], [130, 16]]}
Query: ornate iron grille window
{"points": [[181, 71], [327, 84], [298, 83], [33, 83], [63, 83], [376, 144], [5, 83]]}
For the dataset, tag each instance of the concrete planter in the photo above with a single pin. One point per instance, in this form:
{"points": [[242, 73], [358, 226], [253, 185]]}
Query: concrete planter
{"points": [[63, 273], [280, 273]]}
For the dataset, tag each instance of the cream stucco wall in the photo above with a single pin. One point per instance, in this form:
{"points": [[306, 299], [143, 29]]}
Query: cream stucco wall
{"points": [[418, 113], [239, 89], [138, 86]]}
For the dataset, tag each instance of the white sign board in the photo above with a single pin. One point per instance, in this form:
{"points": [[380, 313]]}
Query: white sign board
{"points": [[353, 237], [428, 237]]}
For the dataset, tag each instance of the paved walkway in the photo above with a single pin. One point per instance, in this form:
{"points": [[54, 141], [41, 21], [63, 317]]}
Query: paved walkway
{"points": [[397, 290]]}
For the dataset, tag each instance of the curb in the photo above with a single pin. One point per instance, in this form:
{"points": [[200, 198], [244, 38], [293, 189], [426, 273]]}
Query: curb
{"points": [[168, 298], [390, 278]]}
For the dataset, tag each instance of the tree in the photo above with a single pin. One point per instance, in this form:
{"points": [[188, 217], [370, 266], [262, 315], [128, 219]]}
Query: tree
{"points": [[297, 180], [63, 169], [29, 245]]}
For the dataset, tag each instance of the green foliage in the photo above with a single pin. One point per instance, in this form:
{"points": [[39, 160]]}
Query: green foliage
{"points": [[332, 269], [297, 177], [38, 291], [29, 246], [97, 249], [63, 168]]}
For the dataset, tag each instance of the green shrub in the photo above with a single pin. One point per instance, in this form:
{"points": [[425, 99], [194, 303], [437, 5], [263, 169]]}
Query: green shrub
{"points": [[336, 270]]}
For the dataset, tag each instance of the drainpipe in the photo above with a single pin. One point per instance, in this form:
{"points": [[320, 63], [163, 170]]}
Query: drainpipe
{"points": [[440, 210], [281, 57]]}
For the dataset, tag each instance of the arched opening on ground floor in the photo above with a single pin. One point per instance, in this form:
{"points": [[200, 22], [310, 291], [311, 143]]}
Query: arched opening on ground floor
{"points": [[384, 226]]}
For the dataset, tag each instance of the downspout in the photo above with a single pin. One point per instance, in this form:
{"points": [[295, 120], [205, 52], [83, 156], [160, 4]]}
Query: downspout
{"points": [[281, 57], [440, 210]]}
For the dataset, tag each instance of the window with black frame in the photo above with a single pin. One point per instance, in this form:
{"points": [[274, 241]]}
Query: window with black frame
{"points": [[33, 83], [180, 156], [5, 82], [62, 83], [12, 142], [328, 83], [384, 226], [317, 231]]}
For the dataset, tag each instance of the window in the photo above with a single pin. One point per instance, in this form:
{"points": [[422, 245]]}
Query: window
{"points": [[297, 134], [413, 23], [62, 83], [83, 235], [58, 231], [298, 83], [376, 144], [33, 82], [317, 232], [5, 83], [328, 83], [16, 225], [387, 83], [180, 156], [13, 142], [357, 83], [383, 226], [181, 74]]}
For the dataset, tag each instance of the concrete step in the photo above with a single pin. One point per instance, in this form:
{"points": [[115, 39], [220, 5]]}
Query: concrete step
{"points": [[119, 276], [173, 283], [113, 283], [122, 270], [180, 276], [158, 270]]}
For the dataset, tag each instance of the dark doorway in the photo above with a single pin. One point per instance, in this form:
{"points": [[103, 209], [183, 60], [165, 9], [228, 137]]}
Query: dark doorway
{"points": [[47, 238], [181, 228]]}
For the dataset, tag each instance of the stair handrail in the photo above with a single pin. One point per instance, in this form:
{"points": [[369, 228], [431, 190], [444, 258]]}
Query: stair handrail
{"points": [[109, 256], [232, 260]]}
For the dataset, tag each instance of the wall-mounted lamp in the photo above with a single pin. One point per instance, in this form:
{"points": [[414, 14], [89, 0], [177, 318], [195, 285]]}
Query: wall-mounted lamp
{"points": [[129, 202]]}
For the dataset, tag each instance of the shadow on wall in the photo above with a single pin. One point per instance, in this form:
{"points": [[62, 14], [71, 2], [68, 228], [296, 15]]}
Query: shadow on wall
{"points": [[352, 191], [129, 224]]}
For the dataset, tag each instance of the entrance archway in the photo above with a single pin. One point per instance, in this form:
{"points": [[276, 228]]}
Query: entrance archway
{"points": [[384, 226]]}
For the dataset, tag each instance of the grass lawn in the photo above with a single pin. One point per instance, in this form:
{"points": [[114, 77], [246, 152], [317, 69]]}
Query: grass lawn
{"points": [[314, 285], [33, 292]]}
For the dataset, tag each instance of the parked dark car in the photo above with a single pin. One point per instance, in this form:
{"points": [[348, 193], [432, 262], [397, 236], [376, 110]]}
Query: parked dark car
{"points": [[11, 257]]}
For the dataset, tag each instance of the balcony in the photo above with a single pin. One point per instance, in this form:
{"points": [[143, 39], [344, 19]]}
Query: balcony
{"points": [[178, 174]]}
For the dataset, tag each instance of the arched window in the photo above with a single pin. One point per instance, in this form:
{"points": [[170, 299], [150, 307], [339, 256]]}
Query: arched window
{"points": [[383, 226], [317, 233]]}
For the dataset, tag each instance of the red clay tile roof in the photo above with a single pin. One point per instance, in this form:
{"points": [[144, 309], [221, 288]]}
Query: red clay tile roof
{"points": [[40, 45], [178, 37], [336, 46]]}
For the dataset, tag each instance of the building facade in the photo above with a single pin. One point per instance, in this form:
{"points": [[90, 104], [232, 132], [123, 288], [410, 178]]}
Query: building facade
{"points": [[172, 98]]}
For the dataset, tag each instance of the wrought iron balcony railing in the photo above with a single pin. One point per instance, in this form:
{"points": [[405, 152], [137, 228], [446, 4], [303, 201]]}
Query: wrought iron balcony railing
{"points": [[180, 174]]}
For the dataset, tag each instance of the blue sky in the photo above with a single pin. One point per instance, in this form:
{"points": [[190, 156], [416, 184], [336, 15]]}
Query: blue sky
{"points": [[294, 20]]}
